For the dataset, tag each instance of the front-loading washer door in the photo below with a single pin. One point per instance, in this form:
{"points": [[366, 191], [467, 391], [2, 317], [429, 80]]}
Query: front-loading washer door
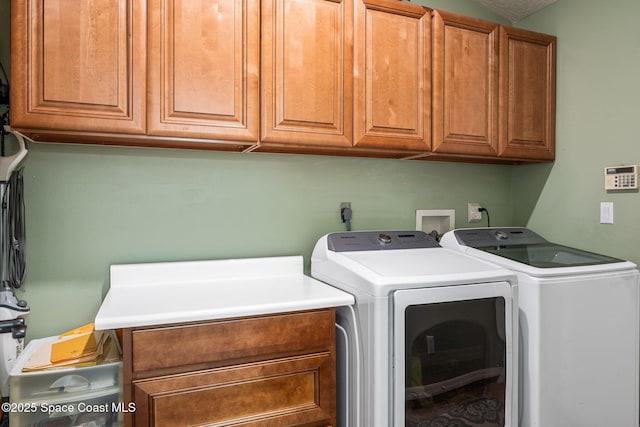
{"points": [[455, 355]]}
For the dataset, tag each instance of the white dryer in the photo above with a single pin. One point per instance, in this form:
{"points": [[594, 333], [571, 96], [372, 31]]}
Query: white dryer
{"points": [[579, 327], [432, 337]]}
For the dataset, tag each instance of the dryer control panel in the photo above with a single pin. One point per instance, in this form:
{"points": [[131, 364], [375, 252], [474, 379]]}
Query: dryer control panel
{"points": [[380, 240]]}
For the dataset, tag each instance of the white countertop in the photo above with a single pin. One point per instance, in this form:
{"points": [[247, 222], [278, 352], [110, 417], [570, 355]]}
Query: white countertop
{"points": [[160, 293]]}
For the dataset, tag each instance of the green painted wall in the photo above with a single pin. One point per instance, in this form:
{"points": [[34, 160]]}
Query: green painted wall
{"points": [[89, 207], [598, 123]]}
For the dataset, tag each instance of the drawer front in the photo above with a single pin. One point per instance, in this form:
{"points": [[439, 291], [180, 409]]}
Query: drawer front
{"points": [[290, 391], [231, 341]]}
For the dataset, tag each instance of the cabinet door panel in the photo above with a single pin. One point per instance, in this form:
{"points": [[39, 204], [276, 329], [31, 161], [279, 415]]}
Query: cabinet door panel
{"points": [[527, 85], [392, 79], [226, 341], [203, 69], [465, 85], [306, 72], [290, 391], [78, 66]]}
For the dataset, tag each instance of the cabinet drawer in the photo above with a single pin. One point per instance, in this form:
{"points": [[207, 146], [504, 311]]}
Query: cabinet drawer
{"points": [[290, 391], [231, 341]]}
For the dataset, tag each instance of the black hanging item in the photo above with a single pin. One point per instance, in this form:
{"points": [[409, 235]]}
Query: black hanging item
{"points": [[4, 87], [12, 260], [15, 238]]}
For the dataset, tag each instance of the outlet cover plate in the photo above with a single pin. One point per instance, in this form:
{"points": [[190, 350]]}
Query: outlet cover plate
{"points": [[473, 212]]}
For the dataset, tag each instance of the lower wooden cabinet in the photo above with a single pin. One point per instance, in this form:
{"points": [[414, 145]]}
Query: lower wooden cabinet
{"points": [[278, 392], [273, 370]]}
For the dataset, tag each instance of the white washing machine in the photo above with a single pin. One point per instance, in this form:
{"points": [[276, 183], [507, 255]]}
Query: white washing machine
{"points": [[579, 327], [432, 337]]}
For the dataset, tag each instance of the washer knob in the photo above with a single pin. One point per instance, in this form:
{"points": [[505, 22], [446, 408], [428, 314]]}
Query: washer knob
{"points": [[501, 235], [384, 238]]}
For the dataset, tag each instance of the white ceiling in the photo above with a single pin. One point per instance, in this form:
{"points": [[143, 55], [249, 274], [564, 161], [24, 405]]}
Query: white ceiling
{"points": [[514, 10]]}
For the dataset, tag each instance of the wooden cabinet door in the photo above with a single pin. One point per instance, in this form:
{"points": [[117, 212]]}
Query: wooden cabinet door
{"points": [[270, 370], [203, 69], [290, 391], [465, 85], [78, 66], [229, 341], [527, 91], [392, 76], [306, 73]]}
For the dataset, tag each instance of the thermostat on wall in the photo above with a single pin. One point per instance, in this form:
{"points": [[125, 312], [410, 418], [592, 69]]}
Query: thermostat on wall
{"points": [[621, 177]]}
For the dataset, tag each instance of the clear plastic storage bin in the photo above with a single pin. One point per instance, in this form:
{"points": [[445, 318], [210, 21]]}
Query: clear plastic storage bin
{"points": [[88, 397]]}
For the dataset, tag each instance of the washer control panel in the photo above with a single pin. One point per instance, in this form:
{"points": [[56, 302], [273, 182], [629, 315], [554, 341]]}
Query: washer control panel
{"points": [[488, 237], [380, 240]]}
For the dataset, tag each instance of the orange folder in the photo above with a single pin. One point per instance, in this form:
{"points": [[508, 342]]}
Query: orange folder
{"points": [[73, 348]]}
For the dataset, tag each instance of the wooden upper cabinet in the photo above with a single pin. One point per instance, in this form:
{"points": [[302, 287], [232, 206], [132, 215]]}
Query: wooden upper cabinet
{"points": [[527, 88], [465, 85], [78, 66], [203, 69], [306, 73], [372, 77], [392, 76]]}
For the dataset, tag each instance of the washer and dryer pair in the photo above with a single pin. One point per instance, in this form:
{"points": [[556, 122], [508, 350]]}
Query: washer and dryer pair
{"points": [[433, 339]]}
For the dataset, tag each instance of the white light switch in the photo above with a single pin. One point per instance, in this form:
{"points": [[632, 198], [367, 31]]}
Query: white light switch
{"points": [[606, 212]]}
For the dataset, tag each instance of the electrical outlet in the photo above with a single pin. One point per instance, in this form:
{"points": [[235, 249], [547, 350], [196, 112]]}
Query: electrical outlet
{"points": [[346, 214], [473, 212]]}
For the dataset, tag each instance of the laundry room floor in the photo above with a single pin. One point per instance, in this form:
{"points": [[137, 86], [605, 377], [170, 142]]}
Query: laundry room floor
{"points": [[477, 405]]}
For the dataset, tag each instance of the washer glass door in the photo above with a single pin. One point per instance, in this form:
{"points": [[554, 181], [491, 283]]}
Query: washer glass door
{"points": [[453, 355]]}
